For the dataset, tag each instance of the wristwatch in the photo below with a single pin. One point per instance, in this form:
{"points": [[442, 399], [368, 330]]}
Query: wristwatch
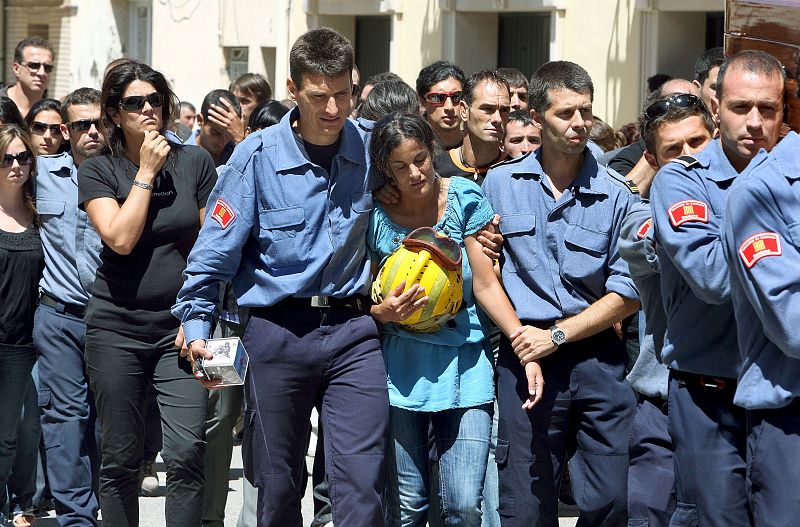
{"points": [[557, 335]]}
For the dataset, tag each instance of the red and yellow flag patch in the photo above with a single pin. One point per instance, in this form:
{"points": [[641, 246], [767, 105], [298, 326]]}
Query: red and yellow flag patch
{"points": [[760, 246], [645, 228], [223, 213], [688, 210]]}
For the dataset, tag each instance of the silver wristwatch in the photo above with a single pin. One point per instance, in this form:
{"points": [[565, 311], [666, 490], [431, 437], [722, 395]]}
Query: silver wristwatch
{"points": [[557, 335]]}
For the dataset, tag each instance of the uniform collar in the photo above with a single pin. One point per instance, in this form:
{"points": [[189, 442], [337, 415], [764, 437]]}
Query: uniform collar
{"points": [[587, 181], [290, 156], [785, 156], [713, 157]]}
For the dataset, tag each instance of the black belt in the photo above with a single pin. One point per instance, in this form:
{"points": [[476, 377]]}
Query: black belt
{"points": [[357, 302], [70, 309], [704, 381]]}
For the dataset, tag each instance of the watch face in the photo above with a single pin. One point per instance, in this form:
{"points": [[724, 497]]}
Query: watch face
{"points": [[558, 336]]}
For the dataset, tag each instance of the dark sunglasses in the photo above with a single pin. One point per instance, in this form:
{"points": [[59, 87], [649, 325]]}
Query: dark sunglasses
{"points": [[40, 128], [83, 125], [23, 158], [34, 66], [439, 98], [679, 100], [136, 102]]}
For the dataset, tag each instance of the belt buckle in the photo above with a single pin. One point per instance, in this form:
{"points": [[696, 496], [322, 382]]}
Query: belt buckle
{"points": [[713, 382], [320, 301]]}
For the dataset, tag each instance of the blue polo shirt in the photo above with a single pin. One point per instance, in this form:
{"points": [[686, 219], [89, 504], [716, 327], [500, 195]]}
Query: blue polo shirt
{"points": [[71, 244], [762, 244], [687, 200], [278, 225], [560, 256]]}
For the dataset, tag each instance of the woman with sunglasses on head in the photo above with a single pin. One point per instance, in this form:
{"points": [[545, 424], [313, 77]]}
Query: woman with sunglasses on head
{"points": [[21, 264], [44, 121], [146, 197], [444, 377]]}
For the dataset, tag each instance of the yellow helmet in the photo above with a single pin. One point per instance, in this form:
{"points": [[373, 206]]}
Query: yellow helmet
{"points": [[433, 261]]}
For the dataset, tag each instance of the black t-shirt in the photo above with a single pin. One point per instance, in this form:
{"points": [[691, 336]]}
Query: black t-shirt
{"points": [[133, 293], [627, 158], [21, 265], [321, 155]]}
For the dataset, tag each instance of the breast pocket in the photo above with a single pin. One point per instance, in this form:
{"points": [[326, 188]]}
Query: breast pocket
{"points": [[362, 202], [51, 214], [518, 231], [50, 207], [280, 229], [586, 256]]}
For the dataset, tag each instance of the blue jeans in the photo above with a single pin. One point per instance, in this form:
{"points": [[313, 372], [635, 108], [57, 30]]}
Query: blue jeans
{"points": [[17, 365], [462, 440]]}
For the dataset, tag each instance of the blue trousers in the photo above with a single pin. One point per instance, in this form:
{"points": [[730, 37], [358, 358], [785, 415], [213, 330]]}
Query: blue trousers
{"points": [[301, 357], [462, 442], [709, 436], [773, 465], [69, 420], [651, 476], [26, 483], [585, 414]]}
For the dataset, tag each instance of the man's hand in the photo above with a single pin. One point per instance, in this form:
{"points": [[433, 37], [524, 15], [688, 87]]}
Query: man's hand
{"points": [[196, 349], [400, 305], [533, 372], [387, 194], [491, 239], [225, 116], [531, 343]]}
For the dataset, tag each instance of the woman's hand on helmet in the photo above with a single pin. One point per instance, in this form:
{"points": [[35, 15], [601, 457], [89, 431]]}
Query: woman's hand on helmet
{"points": [[399, 304]]}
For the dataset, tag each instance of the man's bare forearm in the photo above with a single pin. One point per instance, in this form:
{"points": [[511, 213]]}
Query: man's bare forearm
{"points": [[601, 315]]}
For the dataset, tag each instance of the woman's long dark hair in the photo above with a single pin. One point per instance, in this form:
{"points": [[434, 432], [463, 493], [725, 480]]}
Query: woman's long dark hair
{"points": [[115, 82], [391, 131], [9, 132], [9, 113], [266, 114]]}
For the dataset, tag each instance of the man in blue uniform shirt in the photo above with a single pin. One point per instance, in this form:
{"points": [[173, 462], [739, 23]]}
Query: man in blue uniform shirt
{"points": [[762, 245], [700, 346], [561, 214], [72, 254], [287, 223]]}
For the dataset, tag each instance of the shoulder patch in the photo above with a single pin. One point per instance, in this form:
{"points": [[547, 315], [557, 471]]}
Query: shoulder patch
{"points": [[686, 161], [760, 246], [689, 210], [223, 214], [644, 228]]}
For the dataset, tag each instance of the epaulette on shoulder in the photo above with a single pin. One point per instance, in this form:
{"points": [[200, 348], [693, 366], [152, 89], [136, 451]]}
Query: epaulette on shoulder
{"points": [[622, 181], [686, 161], [511, 160]]}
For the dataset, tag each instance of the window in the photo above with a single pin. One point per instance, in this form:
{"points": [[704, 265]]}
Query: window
{"points": [[237, 61], [141, 28]]}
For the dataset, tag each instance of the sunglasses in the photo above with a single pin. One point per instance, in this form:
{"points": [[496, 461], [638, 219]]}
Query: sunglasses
{"points": [[23, 158], [40, 128], [439, 98], [34, 66], [83, 125], [136, 102], [679, 100]]}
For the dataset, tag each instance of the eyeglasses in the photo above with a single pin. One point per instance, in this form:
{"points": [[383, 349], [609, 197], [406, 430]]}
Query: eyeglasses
{"points": [[34, 66], [40, 128], [439, 98], [23, 158], [136, 102], [84, 125], [680, 100]]}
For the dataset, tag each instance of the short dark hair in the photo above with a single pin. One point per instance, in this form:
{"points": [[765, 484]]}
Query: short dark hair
{"points": [[214, 97], [513, 77], [754, 61], [186, 104], [321, 51], [115, 81], [265, 115], [436, 73], [42, 105], [557, 75], [380, 77], [392, 130], [387, 97], [521, 116], [9, 113], [707, 60], [32, 42], [85, 96], [656, 81], [478, 78], [255, 84], [649, 128]]}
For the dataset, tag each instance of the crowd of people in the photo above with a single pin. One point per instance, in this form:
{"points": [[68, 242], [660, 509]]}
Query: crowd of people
{"points": [[623, 339]]}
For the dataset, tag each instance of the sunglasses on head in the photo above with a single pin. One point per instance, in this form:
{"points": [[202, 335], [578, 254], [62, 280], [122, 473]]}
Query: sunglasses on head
{"points": [[23, 158], [439, 98], [679, 100], [34, 66], [40, 128], [136, 102], [83, 125]]}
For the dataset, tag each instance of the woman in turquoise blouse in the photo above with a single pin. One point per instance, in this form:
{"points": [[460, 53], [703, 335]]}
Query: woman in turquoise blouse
{"points": [[445, 378]]}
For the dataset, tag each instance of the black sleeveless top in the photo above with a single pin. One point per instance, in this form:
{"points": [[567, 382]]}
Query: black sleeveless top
{"points": [[21, 265]]}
